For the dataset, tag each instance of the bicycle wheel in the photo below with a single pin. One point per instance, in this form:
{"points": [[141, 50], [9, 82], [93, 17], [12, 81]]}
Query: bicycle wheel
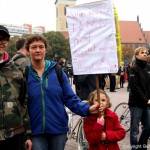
{"points": [[70, 120], [81, 139], [123, 112], [70, 123]]}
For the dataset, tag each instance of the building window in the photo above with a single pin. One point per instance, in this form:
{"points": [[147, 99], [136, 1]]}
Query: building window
{"points": [[65, 10], [57, 12]]}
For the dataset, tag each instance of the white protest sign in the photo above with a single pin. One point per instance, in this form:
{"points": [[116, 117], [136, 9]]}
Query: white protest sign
{"points": [[92, 32], [78, 2]]}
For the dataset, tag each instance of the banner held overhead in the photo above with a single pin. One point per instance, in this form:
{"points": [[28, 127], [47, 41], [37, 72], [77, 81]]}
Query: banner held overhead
{"points": [[92, 35]]}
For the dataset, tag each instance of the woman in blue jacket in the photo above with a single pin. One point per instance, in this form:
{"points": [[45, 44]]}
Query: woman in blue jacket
{"points": [[47, 98]]}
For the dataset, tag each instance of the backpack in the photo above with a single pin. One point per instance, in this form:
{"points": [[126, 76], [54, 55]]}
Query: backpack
{"points": [[17, 56], [58, 72], [21, 63]]}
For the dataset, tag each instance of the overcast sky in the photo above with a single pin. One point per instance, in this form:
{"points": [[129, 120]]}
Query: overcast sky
{"points": [[42, 12], [35, 12]]}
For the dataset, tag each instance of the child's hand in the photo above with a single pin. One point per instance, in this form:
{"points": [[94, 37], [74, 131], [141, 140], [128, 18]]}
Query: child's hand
{"points": [[103, 136]]}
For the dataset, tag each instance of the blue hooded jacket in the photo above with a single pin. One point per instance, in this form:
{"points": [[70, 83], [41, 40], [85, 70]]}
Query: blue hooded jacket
{"points": [[47, 98]]}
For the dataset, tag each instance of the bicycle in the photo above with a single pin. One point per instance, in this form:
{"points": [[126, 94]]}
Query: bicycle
{"points": [[123, 112], [77, 131], [81, 139]]}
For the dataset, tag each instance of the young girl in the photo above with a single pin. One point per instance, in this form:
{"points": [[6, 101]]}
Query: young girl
{"points": [[103, 133]]}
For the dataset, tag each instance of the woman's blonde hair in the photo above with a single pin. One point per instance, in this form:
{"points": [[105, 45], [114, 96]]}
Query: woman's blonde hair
{"points": [[92, 94]]}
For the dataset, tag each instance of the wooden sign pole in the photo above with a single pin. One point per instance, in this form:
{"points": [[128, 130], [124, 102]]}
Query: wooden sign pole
{"points": [[98, 91]]}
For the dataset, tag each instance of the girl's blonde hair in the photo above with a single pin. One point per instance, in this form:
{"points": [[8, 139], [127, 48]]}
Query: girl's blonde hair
{"points": [[92, 94]]}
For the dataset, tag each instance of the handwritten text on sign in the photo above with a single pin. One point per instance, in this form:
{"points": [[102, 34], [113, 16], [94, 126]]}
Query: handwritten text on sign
{"points": [[92, 38]]}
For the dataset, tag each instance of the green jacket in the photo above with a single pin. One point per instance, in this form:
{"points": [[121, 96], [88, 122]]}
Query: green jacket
{"points": [[13, 100]]}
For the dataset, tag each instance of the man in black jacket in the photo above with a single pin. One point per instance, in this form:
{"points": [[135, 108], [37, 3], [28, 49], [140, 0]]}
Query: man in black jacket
{"points": [[84, 85], [139, 99]]}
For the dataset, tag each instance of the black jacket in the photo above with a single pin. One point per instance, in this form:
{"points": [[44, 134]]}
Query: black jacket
{"points": [[87, 84], [140, 84]]}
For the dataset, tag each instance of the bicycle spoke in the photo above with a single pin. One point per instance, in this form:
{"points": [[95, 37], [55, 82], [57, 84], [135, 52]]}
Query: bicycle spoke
{"points": [[82, 142], [122, 110], [77, 132]]}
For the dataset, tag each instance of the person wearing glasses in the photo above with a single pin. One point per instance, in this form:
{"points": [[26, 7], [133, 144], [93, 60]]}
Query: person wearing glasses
{"points": [[14, 119]]}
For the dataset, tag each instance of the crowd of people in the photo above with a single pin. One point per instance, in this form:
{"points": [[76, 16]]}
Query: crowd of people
{"points": [[33, 99], [33, 94]]}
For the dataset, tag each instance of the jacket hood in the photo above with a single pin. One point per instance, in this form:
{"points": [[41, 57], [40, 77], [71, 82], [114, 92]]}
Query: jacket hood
{"points": [[48, 65], [6, 59]]}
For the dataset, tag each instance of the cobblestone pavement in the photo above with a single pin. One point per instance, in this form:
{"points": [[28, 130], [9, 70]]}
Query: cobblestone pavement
{"points": [[116, 97]]}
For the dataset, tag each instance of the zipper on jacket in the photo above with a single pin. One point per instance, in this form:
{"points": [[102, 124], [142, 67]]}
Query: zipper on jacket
{"points": [[43, 104], [47, 81]]}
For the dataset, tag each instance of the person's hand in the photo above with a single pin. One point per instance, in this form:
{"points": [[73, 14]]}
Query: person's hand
{"points": [[148, 102], [28, 144], [94, 109], [103, 136]]}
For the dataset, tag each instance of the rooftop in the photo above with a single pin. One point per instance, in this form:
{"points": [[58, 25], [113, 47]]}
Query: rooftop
{"points": [[131, 32]]}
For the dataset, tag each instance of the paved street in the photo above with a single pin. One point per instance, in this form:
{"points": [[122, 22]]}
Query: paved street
{"points": [[116, 97]]}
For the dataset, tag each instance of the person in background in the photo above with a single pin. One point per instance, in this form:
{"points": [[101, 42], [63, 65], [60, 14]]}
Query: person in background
{"points": [[139, 99], [104, 131], [84, 85], [47, 98], [112, 78], [14, 117], [121, 76], [102, 81], [62, 62], [118, 78], [128, 74], [77, 83], [22, 57]]}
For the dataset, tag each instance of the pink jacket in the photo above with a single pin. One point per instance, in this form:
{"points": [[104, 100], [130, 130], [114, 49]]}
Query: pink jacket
{"points": [[113, 129]]}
